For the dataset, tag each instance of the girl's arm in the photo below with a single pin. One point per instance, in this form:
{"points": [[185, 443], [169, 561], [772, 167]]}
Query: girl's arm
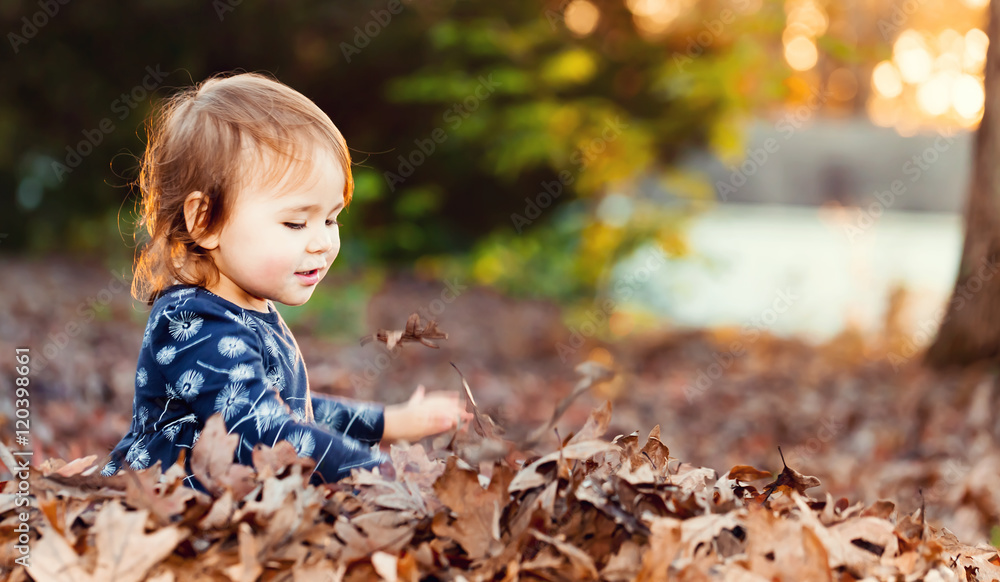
{"points": [[364, 421], [422, 415]]}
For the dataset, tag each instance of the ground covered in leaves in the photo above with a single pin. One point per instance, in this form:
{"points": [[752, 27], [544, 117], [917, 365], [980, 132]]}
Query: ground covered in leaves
{"points": [[565, 473]]}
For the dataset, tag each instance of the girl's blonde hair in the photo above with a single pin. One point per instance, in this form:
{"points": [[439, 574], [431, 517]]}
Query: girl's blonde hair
{"points": [[211, 138]]}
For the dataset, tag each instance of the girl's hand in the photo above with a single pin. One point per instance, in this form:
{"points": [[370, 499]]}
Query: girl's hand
{"points": [[423, 415]]}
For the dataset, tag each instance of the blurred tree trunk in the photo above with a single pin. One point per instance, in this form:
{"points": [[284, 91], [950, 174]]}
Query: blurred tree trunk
{"points": [[970, 331]]}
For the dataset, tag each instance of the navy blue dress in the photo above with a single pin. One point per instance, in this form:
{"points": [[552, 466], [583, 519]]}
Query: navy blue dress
{"points": [[203, 355]]}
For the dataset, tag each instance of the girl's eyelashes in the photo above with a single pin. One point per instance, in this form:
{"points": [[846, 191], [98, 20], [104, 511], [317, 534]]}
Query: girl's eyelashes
{"points": [[300, 226]]}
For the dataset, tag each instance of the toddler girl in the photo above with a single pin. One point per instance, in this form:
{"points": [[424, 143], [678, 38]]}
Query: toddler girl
{"points": [[242, 182]]}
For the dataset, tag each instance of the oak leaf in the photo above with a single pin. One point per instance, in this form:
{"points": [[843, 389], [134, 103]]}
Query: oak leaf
{"points": [[412, 333], [790, 480]]}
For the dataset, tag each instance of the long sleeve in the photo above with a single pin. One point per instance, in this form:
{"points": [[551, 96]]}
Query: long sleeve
{"points": [[364, 421]]}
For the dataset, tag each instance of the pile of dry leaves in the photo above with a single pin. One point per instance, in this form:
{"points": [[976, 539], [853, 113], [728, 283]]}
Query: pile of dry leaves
{"points": [[475, 509], [475, 504]]}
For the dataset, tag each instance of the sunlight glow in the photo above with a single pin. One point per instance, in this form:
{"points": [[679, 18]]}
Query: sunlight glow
{"points": [[654, 17], [887, 80], [582, 17], [801, 53], [974, 57], [911, 56], [968, 96], [934, 95]]}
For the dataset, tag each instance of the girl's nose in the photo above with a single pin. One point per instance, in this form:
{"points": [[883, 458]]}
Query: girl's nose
{"points": [[322, 242]]}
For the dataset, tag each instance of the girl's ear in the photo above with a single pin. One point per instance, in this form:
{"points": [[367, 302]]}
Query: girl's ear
{"points": [[195, 217]]}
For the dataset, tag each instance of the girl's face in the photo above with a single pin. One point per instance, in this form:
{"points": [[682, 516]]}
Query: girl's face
{"points": [[279, 241]]}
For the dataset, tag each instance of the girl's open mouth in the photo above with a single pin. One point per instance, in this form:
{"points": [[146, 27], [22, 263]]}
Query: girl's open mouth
{"points": [[308, 277]]}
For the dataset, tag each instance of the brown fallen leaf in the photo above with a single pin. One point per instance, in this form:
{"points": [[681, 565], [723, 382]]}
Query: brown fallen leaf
{"points": [[882, 509], [596, 425], [166, 501], [271, 461], [530, 476], [664, 544], [746, 473], [790, 479], [475, 520], [386, 565], [581, 565], [414, 466], [412, 333], [212, 460], [69, 469], [482, 423]]}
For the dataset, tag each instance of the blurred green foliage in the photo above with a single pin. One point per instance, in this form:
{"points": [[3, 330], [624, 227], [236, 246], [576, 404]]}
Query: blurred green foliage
{"points": [[458, 113]]}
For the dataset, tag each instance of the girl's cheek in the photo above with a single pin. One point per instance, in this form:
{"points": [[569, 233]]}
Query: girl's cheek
{"points": [[271, 267]]}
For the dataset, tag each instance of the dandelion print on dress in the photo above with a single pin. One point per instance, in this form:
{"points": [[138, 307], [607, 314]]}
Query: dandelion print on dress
{"points": [[189, 385], [180, 293], [330, 415], [366, 414], [271, 344], [232, 347], [230, 400], [241, 372], [185, 327], [275, 379], [243, 319], [303, 441], [166, 355], [137, 456], [141, 377], [171, 430], [269, 414], [110, 469], [147, 335]]}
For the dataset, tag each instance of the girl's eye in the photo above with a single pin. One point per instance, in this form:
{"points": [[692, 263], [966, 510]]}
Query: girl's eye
{"points": [[294, 225], [331, 222]]}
